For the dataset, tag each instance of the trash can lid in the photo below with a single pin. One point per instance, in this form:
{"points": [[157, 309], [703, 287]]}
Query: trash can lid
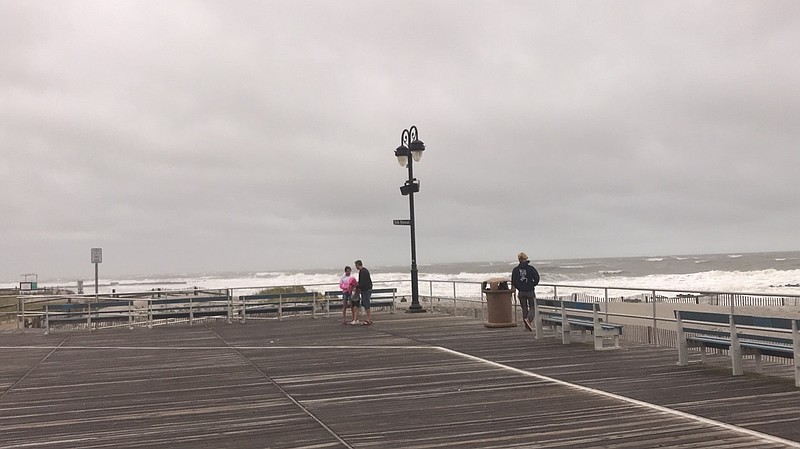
{"points": [[499, 280], [496, 284]]}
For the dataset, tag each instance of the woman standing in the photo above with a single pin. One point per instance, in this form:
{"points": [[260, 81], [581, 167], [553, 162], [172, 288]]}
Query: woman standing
{"points": [[347, 284]]}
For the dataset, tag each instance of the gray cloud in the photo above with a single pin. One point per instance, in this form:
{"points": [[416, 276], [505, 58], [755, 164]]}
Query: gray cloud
{"points": [[209, 136]]}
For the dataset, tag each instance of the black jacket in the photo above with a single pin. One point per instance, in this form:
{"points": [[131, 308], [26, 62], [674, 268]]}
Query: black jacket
{"points": [[364, 279], [525, 277]]}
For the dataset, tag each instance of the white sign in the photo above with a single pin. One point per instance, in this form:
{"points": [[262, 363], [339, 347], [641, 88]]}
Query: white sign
{"points": [[97, 255]]}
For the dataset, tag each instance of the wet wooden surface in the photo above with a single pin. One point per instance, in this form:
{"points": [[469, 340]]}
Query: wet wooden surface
{"points": [[408, 381]]}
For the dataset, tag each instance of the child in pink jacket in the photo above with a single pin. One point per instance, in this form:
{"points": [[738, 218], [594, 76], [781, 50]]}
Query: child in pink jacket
{"points": [[348, 285]]}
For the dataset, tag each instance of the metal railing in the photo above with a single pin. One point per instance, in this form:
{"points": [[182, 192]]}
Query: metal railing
{"points": [[647, 313]]}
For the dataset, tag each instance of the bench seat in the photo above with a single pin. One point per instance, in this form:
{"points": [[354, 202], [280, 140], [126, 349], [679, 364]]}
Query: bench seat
{"points": [[571, 316], [72, 313], [277, 303], [723, 331], [381, 297]]}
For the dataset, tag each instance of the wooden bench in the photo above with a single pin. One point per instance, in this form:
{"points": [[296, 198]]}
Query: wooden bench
{"points": [[740, 335], [183, 307], [381, 297], [78, 313], [573, 316], [187, 307], [277, 303]]}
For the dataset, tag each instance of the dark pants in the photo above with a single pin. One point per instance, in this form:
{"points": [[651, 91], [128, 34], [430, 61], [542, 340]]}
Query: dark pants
{"points": [[526, 300]]}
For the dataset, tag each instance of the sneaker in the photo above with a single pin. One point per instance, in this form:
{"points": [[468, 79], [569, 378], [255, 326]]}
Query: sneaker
{"points": [[527, 324], [353, 323]]}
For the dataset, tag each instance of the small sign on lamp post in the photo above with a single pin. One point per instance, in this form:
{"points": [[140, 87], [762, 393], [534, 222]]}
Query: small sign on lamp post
{"points": [[97, 255], [97, 259]]}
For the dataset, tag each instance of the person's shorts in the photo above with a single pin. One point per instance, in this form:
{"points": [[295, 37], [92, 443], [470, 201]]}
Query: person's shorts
{"points": [[365, 297], [346, 298]]}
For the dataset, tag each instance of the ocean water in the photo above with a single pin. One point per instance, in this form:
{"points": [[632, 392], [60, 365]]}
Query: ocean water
{"points": [[774, 272]]}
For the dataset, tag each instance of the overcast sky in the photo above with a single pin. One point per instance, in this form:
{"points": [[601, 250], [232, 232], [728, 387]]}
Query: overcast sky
{"points": [[259, 135]]}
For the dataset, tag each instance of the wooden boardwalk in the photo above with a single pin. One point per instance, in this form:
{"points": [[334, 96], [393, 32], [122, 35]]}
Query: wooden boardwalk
{"points": [[408, 381]]}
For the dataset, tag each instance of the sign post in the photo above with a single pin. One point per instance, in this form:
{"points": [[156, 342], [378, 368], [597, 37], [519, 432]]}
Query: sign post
{"points": [[97, 259]]}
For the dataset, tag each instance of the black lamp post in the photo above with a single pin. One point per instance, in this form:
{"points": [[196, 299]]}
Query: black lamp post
{"points": [[407, 153]]}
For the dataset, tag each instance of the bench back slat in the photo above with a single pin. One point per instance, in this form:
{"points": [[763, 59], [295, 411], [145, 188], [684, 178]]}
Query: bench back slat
{"points": [[590, 306], [380, 292], [75, 307], [709, 317], [762, 321], [306, 295], [740, 320]]}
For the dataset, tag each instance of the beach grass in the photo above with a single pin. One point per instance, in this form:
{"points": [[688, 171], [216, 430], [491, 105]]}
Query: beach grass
{"points": [[283, 290]]}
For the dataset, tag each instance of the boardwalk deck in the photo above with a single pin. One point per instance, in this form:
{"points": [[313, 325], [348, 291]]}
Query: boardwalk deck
{"points": [[409, 381]]}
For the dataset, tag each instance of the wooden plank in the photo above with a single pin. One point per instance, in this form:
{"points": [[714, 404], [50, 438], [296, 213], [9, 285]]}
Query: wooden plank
{"points": [[316, 383]]}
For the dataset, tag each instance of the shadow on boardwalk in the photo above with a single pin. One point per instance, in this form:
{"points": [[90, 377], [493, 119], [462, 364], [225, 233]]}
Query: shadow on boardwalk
{"points": [[408, 381]]}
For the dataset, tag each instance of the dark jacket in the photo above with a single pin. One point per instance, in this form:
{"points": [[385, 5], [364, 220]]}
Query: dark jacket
{"points": [[364, 280], [525, 277]]}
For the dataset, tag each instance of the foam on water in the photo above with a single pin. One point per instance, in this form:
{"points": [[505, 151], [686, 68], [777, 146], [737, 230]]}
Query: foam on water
{"points": [[755, 272]]}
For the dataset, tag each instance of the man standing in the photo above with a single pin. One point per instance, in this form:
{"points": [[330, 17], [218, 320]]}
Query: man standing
{"points": [[525, 278], [365, 288]]}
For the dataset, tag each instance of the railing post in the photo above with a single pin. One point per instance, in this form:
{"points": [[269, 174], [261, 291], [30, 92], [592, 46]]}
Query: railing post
{"points": [[230, 305], [280, 307], [537, 319], [191, 312], [89, 316], [47, 319], [565, 326], [130, 314], [736, 348], [796, 347], [483, 314], [242, 307], [683, 348], [455, 301], [655, 320], [149, 313], [606, 298], [514, 304]]}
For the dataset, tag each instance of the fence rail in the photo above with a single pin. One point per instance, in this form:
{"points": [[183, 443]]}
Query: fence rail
{"points": [[646, 313]]}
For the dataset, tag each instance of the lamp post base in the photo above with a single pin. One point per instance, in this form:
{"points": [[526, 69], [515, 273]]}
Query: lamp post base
{"points": [[415, 308]]}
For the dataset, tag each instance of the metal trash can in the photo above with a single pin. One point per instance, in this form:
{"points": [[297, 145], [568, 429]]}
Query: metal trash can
{"points": [[498, 302]]}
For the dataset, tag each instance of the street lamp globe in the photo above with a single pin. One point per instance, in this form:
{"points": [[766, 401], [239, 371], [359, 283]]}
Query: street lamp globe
{"points": [[416, 148], [402, 155]]}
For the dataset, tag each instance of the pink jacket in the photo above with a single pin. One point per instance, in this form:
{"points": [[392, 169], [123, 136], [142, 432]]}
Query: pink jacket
{"points": [[348, 284]]}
